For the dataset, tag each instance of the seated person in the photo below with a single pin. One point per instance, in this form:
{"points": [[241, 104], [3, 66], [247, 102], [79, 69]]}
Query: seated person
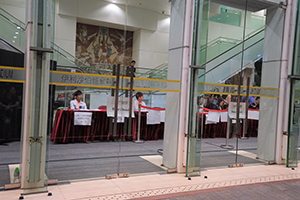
{"points": [[139, 101], [77, 103], [255, 104]]}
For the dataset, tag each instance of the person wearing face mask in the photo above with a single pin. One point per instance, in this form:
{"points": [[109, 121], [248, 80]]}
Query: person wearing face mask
{"points": [[77, 103]]}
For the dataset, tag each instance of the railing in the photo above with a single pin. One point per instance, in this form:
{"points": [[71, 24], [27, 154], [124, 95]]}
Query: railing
{"points": [[159, 72], [12, 30], [220, 45], [230, 61]]}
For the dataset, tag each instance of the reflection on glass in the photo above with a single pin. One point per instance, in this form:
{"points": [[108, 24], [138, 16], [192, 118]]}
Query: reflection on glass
{"points": [[294, 124]]}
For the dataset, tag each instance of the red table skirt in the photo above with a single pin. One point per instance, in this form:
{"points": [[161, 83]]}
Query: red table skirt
{"points": [[64, 130]]}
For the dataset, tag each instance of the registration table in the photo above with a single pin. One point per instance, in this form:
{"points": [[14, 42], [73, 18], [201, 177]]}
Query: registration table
{"points": [[64, 130]]}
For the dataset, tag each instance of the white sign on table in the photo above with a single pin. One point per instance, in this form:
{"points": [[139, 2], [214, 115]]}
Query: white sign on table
{"points": [[123, 107], [233, 107], [224, 116], [213, 116], [153, 117], [207, 121], [253, 114], [162, 115], [83, 118]]}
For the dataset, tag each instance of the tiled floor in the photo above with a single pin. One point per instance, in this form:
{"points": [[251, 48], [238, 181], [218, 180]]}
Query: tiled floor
{"points": [[152, 185]]}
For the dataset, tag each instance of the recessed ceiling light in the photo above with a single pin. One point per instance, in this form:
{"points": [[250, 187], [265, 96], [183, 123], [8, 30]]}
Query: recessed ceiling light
{"points": [[114, 1]]}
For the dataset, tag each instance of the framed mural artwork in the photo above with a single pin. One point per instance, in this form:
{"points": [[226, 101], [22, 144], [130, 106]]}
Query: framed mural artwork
{"points": [[101, 46]]}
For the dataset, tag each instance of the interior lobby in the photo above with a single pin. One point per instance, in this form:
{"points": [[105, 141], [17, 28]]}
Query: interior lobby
{"points": [[219, 89]]}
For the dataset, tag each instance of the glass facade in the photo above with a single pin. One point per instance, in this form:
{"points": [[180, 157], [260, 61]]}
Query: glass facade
{"points": [[293, 132], [106, 114], [226, 71]]}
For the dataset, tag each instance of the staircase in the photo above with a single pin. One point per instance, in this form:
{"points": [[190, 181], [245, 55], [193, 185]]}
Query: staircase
{"points": [[223, 66]]}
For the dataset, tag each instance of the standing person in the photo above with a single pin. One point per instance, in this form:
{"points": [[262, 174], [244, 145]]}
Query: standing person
{"points": [[77, 103], [128, 69], [227, 100], [139, 101], [129, 74]]}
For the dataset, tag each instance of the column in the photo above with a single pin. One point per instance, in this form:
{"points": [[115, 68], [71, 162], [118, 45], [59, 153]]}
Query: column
{"points": [[271, 68], [174, 147], [35, 95]]}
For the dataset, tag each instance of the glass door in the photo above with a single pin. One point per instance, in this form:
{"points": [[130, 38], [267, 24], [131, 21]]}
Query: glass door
{"points": [[141, 98], [294, 125], [196, 117], [223, 129]]}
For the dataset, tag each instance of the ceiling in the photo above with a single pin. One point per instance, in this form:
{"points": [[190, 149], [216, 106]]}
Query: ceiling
{"points": [[165, 5], [153, 5], [253, 5]]}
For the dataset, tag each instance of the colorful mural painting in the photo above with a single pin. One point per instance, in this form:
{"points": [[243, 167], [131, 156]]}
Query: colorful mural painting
{"points": [[101, 45]]}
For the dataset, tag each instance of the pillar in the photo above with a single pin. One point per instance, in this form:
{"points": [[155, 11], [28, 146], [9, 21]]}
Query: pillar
{"points": [[174, 147], [35, 95]]}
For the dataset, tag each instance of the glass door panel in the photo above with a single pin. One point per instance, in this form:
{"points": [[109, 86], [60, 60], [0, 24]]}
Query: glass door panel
{"points": [[294, 123], [227, 138], [141, 148], [293, 132], [196, 122], [10, 131]]}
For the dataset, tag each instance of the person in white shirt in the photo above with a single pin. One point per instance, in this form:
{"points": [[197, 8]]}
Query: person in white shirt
{"points": [[139, 101], [77, 103]]}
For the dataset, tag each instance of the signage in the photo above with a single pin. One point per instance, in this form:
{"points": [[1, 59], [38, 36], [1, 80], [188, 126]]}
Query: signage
{"points": [[233, 107], [224, 89], [63, 78], [12, 74], [83, 118], [153, 117], [123, 107], [17, 74]]}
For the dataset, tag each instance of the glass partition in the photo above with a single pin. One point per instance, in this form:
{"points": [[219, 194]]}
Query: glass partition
{"points": [[10, 131], [293, 127], [98, 146], [102, 70], [294, 123], [231, 55]]}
